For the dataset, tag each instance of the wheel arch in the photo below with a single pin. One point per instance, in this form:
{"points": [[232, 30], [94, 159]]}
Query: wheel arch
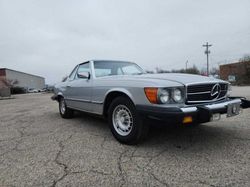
{"points": [[111, 95], [59, 96]]}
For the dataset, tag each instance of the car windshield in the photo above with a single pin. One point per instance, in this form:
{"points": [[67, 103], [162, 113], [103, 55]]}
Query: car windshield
{"points": [[108, 68]]}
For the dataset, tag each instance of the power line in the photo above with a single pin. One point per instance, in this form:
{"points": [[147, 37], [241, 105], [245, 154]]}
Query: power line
{"points": [[207, 52]]}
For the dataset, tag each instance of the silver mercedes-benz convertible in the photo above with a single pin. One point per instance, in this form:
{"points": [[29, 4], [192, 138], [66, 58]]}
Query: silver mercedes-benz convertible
{"points": [[124, 94]]}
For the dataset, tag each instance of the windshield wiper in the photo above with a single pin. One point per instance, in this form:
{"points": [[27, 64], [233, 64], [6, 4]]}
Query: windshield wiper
{"points": [[137, 73]]}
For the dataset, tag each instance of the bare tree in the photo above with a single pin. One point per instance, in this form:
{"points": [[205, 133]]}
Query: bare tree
{"points": [[214, 71], [10, 83], [192, 70], [245, 58], [149, 71]]}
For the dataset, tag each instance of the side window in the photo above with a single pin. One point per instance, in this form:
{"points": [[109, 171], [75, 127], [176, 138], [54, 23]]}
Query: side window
{"points": [[83, 68], [119, 71], [72, 75], [102, 72]]}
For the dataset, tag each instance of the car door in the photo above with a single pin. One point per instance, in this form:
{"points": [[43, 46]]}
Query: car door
{"points": [[79, 90], [66, 87]]}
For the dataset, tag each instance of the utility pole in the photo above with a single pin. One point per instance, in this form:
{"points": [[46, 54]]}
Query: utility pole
{"points": [[207, 52], [186, 65]]}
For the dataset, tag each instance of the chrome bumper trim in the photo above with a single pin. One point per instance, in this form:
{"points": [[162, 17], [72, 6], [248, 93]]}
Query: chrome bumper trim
{"points": [[222, 105], [211, 106], [189, 109]]}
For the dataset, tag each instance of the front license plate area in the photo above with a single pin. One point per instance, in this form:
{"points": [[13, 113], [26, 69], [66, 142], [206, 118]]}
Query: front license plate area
{"points": [[233, 109], [216, 117]]}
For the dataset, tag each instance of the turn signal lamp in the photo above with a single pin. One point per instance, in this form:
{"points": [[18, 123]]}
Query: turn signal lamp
{"points": [[151, 94], [187, 119]]}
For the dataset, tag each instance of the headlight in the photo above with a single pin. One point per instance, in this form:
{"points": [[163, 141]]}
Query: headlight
{"points": [[177, 95], [163, 96]]}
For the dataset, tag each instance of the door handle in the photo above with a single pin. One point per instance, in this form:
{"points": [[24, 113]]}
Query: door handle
{"points": [[68, 86]]}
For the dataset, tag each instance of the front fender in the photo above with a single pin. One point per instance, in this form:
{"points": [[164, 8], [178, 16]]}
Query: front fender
{"points": [[122, 90], [56, 96]]}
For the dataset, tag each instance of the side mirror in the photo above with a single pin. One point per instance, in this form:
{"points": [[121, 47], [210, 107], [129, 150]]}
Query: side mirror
{"points": [[83, 75]]}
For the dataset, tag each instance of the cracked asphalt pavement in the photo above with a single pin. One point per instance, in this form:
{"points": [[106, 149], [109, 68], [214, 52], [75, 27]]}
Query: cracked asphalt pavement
{"points": [[39, 148]]}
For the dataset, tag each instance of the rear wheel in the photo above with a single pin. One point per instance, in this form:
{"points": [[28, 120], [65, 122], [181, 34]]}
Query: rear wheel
{"points": [[125, 124], [65, 112]]}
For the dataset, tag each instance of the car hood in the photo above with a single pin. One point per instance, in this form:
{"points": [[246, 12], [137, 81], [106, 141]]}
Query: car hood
{"points": [[180, 78]]}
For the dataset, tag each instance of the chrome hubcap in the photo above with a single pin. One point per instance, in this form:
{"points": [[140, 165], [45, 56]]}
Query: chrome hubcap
{"points": [[122, 120], [62, 106]]}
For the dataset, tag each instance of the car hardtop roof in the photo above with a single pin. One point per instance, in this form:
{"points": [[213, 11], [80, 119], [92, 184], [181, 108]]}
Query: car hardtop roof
{"points": [[111, 61], [103, 61]]}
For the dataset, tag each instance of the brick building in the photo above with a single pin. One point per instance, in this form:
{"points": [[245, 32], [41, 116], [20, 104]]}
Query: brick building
{"points": [[238, 72]]}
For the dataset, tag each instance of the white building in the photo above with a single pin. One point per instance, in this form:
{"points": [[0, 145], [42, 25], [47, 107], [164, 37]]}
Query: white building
{"points": [[21, 79]]}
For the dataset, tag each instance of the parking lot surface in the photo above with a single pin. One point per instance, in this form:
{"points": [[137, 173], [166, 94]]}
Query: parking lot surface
{"points": [[39, 148]]}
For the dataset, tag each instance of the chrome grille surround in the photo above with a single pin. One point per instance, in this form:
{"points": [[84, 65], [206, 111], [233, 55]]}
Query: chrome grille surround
{"points": [[206, 92]]}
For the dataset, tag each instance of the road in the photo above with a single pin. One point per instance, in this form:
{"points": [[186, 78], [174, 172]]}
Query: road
{"points": [[39, 148]]}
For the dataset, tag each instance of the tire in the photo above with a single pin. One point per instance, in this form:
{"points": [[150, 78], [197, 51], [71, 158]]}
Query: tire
{"points": [[65, 112], [125, 124]]}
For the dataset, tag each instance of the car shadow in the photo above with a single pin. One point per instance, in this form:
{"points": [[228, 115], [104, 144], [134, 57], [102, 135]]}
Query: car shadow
{"points": [[160, 134], [209, 135]]}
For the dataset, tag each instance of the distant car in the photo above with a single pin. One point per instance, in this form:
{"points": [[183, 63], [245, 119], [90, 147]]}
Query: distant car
{"points": [[127, 96], [32, 90], [43, 90]]}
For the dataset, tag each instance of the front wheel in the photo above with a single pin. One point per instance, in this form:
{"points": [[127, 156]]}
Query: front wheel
{"points": [[125, 124], [65, 112]]}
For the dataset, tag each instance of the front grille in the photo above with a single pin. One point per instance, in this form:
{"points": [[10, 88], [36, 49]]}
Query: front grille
{"points": [[201, 93]]}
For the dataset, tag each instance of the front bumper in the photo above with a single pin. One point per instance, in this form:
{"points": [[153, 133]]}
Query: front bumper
{"points": [[198, 114]]}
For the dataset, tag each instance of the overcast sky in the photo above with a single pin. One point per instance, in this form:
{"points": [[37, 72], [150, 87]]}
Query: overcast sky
{"points": [[49, 38]]}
